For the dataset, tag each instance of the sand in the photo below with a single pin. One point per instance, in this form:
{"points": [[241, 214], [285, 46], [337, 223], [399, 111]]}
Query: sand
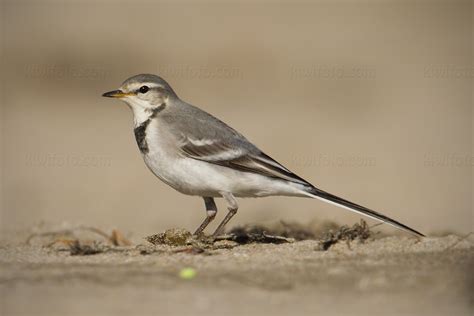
{"points": [[393, 275]]}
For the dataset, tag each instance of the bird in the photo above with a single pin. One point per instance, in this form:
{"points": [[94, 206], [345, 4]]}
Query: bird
{"points": [[197, 154]]}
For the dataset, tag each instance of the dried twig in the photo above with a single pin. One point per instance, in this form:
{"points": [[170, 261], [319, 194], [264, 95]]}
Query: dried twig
{"points": [[360, 231], [115, 238]]}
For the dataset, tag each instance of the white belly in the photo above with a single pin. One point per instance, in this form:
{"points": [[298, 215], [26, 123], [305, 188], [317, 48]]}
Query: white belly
{"points": [[195, 177]]}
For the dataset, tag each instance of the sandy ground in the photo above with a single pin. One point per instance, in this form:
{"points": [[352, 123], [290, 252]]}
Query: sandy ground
{"points": [[386, 276]]}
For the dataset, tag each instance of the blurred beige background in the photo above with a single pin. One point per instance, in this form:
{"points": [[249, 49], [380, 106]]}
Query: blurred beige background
{"points": [[371, 100]]}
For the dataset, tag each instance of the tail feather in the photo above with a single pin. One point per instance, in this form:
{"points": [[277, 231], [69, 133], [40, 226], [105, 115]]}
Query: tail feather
{"points": [[333, 199]]}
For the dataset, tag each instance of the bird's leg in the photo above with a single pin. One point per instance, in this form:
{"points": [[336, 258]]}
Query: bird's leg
{"points": [[211, 211], [232, 207]]}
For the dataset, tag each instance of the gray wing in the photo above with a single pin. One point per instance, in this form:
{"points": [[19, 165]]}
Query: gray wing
{"points": [[206, 138]]}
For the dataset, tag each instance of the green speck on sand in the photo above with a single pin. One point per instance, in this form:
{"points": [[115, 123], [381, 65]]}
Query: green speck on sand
{"points": [[187, 273]]}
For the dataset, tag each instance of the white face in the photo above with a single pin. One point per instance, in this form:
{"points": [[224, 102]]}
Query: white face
{"points": [[143, 95]]}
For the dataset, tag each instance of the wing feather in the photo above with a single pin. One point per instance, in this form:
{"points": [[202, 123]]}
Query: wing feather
{"points": [[238, 158]]}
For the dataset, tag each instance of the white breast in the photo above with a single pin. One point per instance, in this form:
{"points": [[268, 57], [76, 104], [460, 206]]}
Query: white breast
{"points": [[195, 177]]}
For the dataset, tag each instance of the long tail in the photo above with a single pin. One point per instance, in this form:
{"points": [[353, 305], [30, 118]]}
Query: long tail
{"points": [[330, 198]]}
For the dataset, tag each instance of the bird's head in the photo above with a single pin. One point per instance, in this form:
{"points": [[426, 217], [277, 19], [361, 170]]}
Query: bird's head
{"points": [[143, 92]]}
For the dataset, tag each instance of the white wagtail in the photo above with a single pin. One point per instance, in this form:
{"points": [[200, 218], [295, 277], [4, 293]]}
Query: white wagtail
{"points": [[197, 154]]}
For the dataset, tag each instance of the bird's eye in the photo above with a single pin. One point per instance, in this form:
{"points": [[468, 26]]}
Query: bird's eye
{"points": [[144, 89]]}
